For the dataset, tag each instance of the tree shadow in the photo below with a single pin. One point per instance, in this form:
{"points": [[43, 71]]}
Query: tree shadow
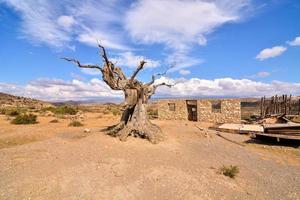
{"points": [[109, 128], [272, 141]]}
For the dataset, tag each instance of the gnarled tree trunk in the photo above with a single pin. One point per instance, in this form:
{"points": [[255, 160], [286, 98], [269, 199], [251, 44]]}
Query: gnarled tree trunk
{"points": [[134, 120]]}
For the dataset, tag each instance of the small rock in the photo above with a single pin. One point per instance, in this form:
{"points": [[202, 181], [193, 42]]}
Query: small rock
{"points": [[87, 130]]}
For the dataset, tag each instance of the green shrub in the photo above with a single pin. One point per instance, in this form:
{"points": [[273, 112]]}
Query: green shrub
{"points": [[10, 111], [76, 124], [62, 110], [230, 171], [25, 119], [152, 113], [116, 112]]}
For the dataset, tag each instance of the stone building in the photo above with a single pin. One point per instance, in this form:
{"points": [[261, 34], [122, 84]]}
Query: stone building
{"points": [[204, 110]]}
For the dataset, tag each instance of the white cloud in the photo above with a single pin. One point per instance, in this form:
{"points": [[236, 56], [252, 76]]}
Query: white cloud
{"points": [[225, 87], [271, 52], [262, 74], [128, 59], [182, 61], [66, 21], [184, 72], [60, 90], [202, 41], [178, 23], [91, 38], [59, 24], [39, 22], [295, 42]]}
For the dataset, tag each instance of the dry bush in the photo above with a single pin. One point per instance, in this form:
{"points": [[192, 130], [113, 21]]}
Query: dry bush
{"points": [[152, 113], [25, 119], [230, 171], [113, 110], [62, 110], [75, 124], [11, 111]]}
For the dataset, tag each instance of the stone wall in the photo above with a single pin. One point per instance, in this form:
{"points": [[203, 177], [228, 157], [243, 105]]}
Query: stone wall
{"points": [[180, 112], [230, 111]]}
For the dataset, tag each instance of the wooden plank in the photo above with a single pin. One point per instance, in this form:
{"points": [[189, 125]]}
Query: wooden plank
{"points": [[277, 136]]}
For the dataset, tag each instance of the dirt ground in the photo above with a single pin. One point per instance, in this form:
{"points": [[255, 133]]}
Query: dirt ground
{"points": [[54, 161]]}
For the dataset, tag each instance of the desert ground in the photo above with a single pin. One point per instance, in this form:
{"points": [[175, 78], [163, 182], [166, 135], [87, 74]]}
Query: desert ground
{"points": [[55, 161]]}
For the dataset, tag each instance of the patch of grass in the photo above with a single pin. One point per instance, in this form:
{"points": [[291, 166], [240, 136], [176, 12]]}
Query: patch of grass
{"points": [[54, 121], [152, 113], [76, 123], [113, 110], [116, 112], [230, 171], [62, 110], [10, 111], [25, 119]]}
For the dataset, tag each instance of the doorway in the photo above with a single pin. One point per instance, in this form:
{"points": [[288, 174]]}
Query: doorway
{"points": [[192, 109]]}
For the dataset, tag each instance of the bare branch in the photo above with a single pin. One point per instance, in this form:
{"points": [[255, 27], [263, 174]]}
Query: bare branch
{"points": [[83, 66], [162, 84], [139, 68], [161, 74], [109, 64], [103, 54]]}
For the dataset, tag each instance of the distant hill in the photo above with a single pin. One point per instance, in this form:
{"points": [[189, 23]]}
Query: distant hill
{"points": [[7, 100]]}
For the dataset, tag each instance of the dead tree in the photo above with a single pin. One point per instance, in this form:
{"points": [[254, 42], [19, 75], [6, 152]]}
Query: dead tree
{"points": [[134, 120]]}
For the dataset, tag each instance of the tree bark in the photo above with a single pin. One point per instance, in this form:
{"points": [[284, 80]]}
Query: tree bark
{"points": [[134, 120]]}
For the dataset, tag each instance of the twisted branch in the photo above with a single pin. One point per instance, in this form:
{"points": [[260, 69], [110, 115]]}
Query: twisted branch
{"points": [[138, 69], [81, 65], [161, 74]]}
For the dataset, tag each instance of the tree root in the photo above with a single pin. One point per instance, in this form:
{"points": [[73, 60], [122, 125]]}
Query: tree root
{"points": [[149, 131]]}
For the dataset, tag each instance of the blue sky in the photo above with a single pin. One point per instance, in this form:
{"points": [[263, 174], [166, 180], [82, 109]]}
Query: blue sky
{"points": [[234, 48]]}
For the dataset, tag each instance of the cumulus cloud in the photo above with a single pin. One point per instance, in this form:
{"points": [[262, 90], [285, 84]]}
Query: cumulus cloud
{"points": [[184, 72], [295, 42], [130, 60], [224, 87], [271, 52], [61, 90], [179, 23]]}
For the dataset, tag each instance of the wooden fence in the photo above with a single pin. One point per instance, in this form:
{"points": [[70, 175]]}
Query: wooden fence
{"points": [[279, 105]]}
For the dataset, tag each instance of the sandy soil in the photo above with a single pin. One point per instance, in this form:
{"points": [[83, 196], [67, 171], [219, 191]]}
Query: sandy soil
{"points": [[54, 161]]}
